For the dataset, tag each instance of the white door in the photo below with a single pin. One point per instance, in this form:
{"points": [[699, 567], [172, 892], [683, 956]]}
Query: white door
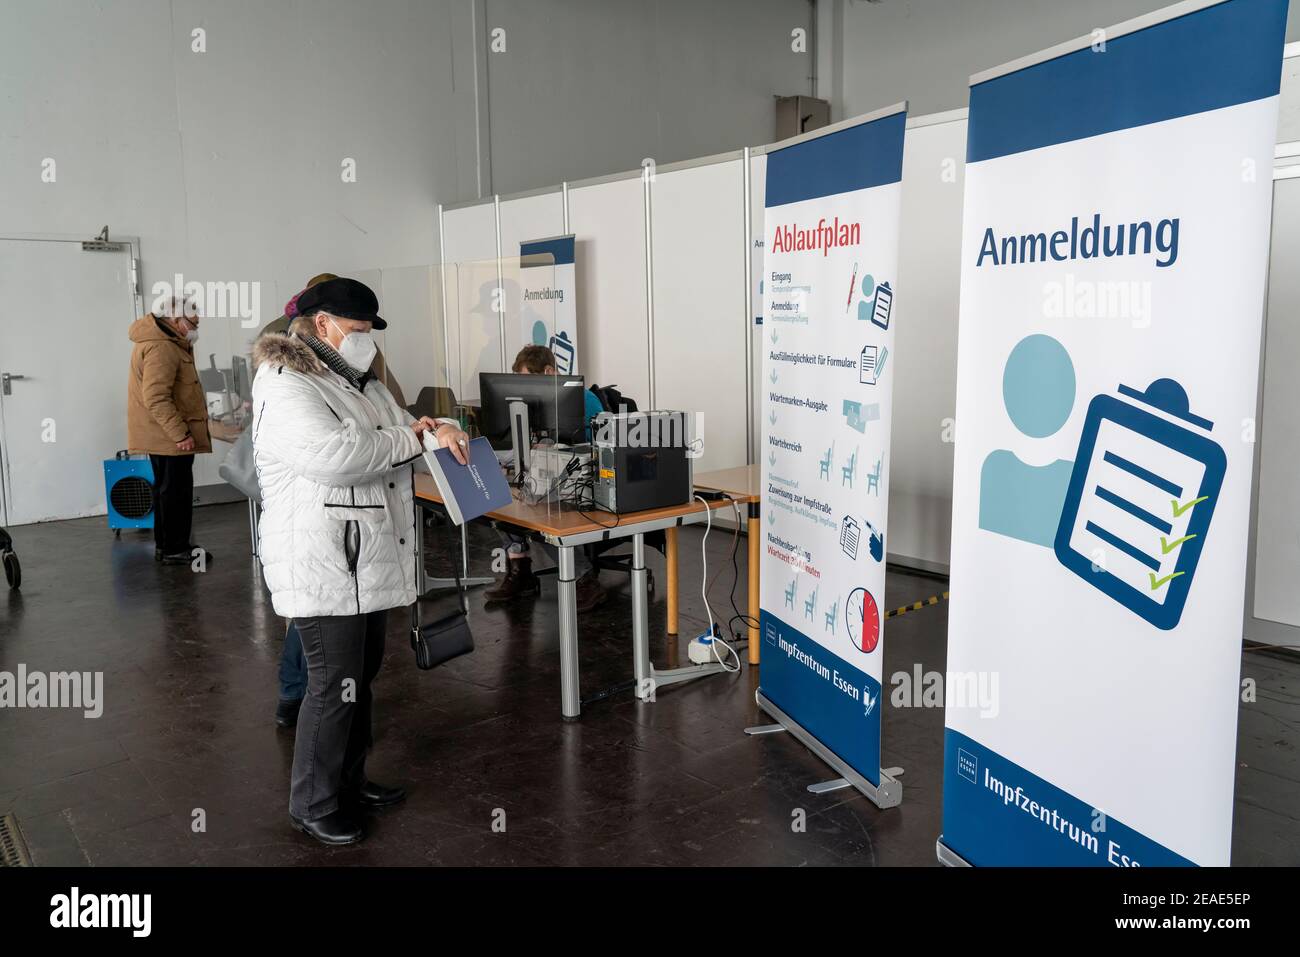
{"points": [[64, 357]]}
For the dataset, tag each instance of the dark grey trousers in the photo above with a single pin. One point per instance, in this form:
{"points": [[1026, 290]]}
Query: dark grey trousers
{"points": [[329, 753]]}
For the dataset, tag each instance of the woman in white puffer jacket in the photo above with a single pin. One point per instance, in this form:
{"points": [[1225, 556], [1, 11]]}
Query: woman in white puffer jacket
{"points": [[334, 455]]}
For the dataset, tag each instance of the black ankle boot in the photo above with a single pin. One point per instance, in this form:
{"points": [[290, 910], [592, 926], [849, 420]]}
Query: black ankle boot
{"points": [[334, 829], [286, 712], [519, 580]]}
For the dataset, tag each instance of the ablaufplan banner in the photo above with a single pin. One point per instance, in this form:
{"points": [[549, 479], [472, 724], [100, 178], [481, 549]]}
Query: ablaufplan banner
{"points": [[829, 267], [1113, 264], [549, 315]]}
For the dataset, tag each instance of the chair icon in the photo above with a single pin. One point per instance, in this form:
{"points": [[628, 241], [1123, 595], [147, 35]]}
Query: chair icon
{"points": [[810, 603], [873, 477], [850, 471], [789, 592], [832, 615], [825, 463]]}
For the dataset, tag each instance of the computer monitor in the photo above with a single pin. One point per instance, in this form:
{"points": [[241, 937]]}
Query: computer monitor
{"points": [[557, 406], [241, 383]]}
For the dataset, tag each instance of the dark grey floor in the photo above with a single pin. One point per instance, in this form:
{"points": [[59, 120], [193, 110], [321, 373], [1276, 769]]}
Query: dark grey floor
{"points": [[190, 660]]}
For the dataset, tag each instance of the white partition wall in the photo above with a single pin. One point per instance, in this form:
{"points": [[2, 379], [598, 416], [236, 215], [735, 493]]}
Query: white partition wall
{"points": [[929, 272], [472, 271], [530, 216], [700, 330], [607, 218], [1275, 601]]}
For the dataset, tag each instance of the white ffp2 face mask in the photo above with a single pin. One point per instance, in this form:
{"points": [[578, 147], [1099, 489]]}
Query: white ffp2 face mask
{"points": [[357, 348]]}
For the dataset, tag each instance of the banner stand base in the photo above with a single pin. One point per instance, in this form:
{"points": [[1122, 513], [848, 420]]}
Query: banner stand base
{"points": [[888, 794], [948, 857]]}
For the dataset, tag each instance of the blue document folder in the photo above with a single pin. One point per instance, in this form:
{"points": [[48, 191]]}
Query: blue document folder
{"points": [[469, 491]]}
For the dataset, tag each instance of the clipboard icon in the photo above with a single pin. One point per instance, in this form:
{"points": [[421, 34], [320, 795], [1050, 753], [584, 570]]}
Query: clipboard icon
{"points": [[884, 302], [1140, 500], [562, 348]]}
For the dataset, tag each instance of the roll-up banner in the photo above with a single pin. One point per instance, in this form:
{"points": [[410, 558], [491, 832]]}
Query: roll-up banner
{"points": [[830, 263], [1115, 243], [549, 316]]}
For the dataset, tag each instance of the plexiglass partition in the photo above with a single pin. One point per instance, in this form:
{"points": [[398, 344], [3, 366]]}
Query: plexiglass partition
{"points": [[532, 417]]}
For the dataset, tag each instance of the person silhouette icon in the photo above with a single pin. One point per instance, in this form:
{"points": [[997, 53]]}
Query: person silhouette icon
{"points": [[1019, 500]]}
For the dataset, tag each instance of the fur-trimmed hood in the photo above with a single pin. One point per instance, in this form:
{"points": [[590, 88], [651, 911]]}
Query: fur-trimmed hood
{"points": [[289, 351]]}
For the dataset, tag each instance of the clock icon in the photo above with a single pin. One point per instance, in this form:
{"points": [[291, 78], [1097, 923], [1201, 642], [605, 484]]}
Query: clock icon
{"points": [[862, 618]]}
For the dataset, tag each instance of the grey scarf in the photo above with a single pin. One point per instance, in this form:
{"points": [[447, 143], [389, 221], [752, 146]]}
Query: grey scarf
{"points": [[337, 363]]}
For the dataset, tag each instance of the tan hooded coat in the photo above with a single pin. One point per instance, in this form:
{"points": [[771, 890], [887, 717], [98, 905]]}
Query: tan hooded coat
{"points": [[164, 398]]}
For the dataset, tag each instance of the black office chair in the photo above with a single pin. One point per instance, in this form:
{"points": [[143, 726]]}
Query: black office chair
{"points": [[613, 400], [435, 401]]}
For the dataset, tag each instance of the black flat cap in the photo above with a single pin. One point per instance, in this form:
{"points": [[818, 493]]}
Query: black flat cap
{"points": [[345, 298]]}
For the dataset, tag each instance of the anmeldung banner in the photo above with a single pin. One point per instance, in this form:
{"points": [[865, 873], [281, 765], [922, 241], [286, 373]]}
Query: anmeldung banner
{"points": [[830, 262], [549, 315], [1115, 240]]}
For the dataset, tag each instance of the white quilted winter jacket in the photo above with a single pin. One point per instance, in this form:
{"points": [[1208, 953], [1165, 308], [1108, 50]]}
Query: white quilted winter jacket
{"points": [[337, 533]]}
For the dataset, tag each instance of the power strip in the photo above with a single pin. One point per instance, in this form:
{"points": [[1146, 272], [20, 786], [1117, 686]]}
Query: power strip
{"points": [[701, 650]]}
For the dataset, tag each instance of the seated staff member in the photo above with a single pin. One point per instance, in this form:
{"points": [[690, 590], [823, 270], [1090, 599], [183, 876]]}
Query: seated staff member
{"points": [[334, 456], [519, 578]]}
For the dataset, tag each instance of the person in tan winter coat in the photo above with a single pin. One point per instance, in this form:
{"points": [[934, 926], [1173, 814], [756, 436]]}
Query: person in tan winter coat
{"points": [[167, 417]]}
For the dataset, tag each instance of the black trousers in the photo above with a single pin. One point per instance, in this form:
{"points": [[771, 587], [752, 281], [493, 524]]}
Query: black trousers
{"points": [[343, 655], [173, 502]]}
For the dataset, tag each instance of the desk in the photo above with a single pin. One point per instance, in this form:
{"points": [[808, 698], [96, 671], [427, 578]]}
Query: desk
{"points": [[743, 485], [567, 529]]}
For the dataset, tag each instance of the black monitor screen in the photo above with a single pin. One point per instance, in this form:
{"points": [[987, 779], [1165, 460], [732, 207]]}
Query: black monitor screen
{"points": [[557, 406]]}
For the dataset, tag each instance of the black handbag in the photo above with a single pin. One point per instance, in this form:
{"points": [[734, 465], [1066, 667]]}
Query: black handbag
{"points": [[444, 639]]}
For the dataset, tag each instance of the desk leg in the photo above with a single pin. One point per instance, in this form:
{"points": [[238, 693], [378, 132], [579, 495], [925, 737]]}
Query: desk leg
{"points": [[672, 580], [641, 622], [570, 702], [755, 534], [254, 514]]}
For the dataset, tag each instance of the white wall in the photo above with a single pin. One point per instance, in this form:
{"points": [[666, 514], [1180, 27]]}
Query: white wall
{"points": [[588, 87], [227, 163]]}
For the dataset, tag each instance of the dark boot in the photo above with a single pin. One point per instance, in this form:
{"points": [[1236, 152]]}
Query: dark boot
{"points": [[333, 829], [186, 557], [519, 580], [589, 593], [371, 795], [286, 712]]}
